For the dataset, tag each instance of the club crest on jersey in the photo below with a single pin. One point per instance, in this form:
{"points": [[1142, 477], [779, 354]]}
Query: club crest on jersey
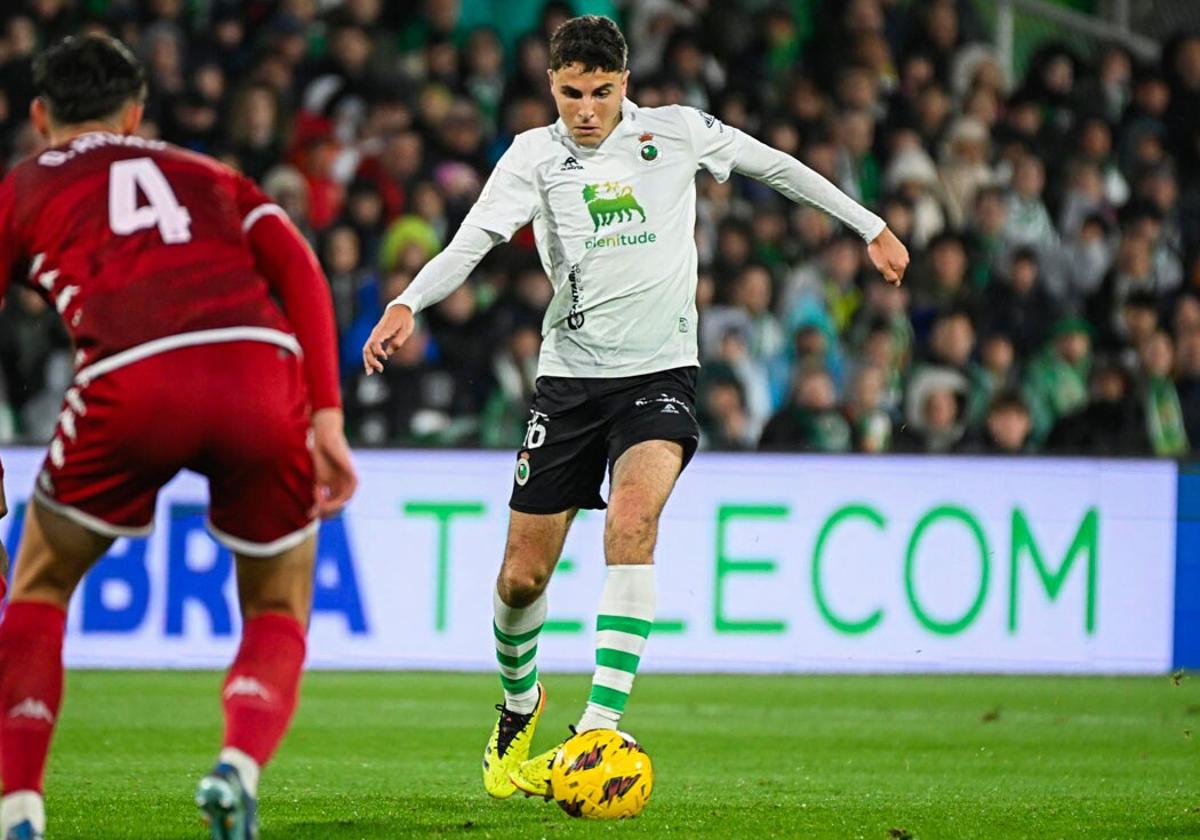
{"points": [[611, 202], [521, 475], [648, 152]]}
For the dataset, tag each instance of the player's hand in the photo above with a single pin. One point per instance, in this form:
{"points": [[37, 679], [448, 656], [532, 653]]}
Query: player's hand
{"points": [[889, 256], [393, 329], [336, 480]]}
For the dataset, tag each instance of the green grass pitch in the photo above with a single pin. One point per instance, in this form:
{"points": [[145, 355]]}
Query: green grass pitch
{"points": [[397, 755]]}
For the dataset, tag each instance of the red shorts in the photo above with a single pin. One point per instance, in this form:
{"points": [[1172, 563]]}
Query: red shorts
{"points": [[236, 412]]}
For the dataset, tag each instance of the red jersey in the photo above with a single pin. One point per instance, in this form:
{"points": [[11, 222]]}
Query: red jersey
{"points": [[145, 247]]}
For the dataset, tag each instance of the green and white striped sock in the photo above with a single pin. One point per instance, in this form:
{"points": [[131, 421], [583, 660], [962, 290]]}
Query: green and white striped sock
{"points": [[516, 630], [622, 626]]}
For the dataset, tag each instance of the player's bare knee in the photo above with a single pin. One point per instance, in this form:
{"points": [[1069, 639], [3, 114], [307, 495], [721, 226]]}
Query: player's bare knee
{"points": [[520, 586]]}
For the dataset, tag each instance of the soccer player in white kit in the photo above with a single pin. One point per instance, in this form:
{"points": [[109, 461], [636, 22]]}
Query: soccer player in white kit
{"points": [[610, 189]]}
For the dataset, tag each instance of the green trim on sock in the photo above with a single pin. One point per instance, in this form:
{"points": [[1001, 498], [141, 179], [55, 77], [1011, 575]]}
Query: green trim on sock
{"points": [[510, 661], [518, 686], [516, 661], [619, 659], [515, 639], [624, 624], [609, 698]]}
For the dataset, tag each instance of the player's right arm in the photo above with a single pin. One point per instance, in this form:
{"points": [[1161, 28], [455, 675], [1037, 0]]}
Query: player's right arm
{"points": [[436, 279], [508, 202]]}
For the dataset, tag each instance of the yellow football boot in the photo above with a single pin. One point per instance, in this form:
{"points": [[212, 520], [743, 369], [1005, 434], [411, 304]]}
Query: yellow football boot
{"points": [[509, 746], [532, 776]]}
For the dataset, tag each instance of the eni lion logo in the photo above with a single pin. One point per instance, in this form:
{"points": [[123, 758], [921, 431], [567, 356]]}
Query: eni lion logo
{"points": [[610, 202]]}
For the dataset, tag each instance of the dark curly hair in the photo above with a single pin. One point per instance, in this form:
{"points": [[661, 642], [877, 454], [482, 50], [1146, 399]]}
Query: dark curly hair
{"points": [[91, 77], [592, 41]]}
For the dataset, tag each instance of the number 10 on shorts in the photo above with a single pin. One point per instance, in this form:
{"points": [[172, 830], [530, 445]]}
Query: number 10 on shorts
{"points": [[535, 431]]}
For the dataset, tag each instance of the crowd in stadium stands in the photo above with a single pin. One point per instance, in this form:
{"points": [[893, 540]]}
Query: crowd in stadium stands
{"points": [[1053, 300]]}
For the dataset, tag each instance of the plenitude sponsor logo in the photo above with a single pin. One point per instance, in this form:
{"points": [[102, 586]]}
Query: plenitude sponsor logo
{"points": [[616, 240]]}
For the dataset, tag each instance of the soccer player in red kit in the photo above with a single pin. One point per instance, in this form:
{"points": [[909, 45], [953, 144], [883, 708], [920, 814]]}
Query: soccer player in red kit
{"points": [[162, 264], [3, 553]]}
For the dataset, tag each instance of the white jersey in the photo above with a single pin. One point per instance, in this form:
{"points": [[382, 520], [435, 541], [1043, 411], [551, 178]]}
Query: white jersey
{"points": [[615, 230]]}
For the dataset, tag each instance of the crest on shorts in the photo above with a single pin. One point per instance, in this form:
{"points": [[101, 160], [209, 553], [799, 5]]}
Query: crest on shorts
{"points": [[521, 475]]}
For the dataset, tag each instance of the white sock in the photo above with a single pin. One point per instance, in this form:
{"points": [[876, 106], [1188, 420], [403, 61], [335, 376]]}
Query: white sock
{"points": [[516, 630], [623, 624], [22, 805], [246, 766]]}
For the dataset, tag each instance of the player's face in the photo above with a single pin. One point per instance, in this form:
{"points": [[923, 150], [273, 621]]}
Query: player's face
{"points": [[589, 103]]}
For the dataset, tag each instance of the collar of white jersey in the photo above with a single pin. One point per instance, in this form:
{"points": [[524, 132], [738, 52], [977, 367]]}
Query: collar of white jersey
{"points": [[626, 127]]}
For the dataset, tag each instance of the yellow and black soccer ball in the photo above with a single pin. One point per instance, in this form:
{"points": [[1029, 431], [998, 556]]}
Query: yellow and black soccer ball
{"points": [[601, 774]]}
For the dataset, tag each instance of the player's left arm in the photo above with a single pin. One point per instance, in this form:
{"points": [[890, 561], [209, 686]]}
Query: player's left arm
{"points": [[722, 149], [294, 275], [801, 184]]}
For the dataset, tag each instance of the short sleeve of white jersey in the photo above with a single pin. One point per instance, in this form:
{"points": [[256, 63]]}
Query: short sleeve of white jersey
{"points": [[716, 145], [509, 198]]}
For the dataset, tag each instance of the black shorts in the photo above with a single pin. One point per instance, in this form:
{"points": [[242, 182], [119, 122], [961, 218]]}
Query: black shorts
{"points": [[579, 426]]}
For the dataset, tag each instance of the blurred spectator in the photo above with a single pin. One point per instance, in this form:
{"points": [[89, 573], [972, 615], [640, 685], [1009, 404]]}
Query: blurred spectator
{"points": [[828, 284], [810, 421], [747, 336], [1056, 381], [934, 412], [514, 368], [1087, 257], [912, 175], [998, 371], [724, 422], [1112, 423], [342, 257], [964, 167], [1164, 414], [35, 362], [1188, 382], [1007, 427], [255, 130], [870, 422], [1018, 304], [1029, 222], [952, 348], [940, 283], [988, 237], [1132, 274]]}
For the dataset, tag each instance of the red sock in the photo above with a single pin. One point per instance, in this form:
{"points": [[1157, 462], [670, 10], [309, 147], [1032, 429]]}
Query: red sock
{"points": [[31, 687], [263, 684]]}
